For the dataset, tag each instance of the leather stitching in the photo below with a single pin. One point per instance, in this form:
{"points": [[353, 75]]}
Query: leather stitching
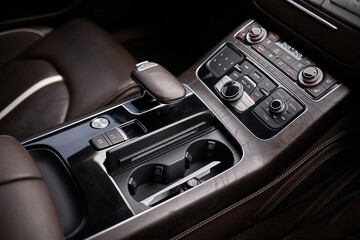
{"points": [[301, 179], [333, 194], [235, 205], [7, 136]]}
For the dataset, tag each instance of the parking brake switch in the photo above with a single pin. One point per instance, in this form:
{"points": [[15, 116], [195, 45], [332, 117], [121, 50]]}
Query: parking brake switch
{"points": [[109, 138]]}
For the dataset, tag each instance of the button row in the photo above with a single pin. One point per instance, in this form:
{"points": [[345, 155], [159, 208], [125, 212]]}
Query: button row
{"points": [[282, 60], [108, 138], [292, 106]]}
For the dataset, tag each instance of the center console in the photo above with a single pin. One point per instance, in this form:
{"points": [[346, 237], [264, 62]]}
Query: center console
{"points": [[181, 153]]}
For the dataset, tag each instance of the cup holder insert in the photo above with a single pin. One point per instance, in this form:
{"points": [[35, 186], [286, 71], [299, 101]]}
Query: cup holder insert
{"points": [[175, 172]]}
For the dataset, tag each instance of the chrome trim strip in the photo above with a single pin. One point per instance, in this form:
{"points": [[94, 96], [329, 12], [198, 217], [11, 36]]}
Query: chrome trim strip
{"points": [[29, 30], [123, 134], [308, 12], [156, 197], [142, 66], [36, 87]]}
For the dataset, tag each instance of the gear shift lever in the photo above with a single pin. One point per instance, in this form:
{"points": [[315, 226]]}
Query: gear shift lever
{"points": [[158, 82]]}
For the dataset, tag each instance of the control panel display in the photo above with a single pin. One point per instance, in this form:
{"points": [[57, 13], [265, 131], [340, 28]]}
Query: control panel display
{"points": [[289, 49]]}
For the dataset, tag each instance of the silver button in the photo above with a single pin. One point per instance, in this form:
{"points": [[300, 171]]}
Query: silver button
{"points": [[247, 100], [243, 103], [100, 122]]}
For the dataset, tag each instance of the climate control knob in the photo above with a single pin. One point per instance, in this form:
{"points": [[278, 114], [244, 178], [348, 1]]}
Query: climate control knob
{"points": [[232, 91], [310, 76], [256, 34], [277, 107]]}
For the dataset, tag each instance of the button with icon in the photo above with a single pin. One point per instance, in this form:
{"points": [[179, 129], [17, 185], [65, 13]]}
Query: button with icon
{"points": [[114, 136], [99, 142]]}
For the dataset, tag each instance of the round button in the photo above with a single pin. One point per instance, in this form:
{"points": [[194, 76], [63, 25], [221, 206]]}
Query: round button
{"points": [[231, 91], [310, 76], [256, 34], [255, 31], [277, 107], [309, 73], [100, 122]]}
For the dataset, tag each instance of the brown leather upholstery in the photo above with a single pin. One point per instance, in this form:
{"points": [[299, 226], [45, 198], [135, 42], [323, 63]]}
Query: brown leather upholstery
{"points": [[14, 42], [26, 208], [95, 70]]}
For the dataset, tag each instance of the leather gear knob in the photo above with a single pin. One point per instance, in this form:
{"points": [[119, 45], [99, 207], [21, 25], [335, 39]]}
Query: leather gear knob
{"points": [[158, 82]]}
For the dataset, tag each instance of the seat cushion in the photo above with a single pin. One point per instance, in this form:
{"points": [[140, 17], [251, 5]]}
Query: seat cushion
{"points": [[26, 207], [72, 71]]}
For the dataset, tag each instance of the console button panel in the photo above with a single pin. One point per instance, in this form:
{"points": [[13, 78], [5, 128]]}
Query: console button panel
{"points": [[290, 61], [117, 135], [223, 61], [258, 100], [278, 109], [108, 138]]}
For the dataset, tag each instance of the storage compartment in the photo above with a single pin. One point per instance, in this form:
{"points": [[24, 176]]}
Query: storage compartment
{"points": [[152, 183], [200, 152], [64, 192]]}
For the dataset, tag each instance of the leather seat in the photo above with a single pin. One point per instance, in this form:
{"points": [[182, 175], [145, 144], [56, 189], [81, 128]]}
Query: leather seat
{"points": [[50, 77], [27, 210]]}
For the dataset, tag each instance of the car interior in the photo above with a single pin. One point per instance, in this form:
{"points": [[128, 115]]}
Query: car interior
{"points": [[131, 120]]}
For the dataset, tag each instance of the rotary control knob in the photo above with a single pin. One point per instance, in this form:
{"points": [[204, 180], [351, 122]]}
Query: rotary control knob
{"points": [[277, 107], [232, 91], [256, 34], [310, 76]]}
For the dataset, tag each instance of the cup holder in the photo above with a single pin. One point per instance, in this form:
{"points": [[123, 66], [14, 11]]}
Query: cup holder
{"points": [[177, 171]]}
